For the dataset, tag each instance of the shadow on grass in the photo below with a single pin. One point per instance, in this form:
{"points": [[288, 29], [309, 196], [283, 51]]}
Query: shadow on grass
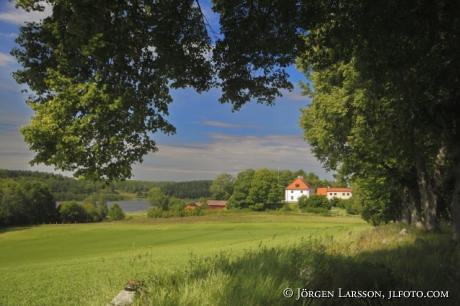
{"points": [[332, 273], [4, 230]]}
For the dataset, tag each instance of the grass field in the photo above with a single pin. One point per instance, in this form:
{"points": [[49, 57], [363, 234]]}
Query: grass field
{"points": [[88, 264]]}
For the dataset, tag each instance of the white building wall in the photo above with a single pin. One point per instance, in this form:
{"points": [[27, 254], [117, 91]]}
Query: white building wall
{"points": [[294, 195], [339, 195]]}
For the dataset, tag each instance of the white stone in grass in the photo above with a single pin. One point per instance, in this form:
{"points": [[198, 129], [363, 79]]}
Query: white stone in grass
{"points": [[124, 298], [403, 232]]}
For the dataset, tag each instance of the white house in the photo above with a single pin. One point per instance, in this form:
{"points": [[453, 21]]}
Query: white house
{"points": [[297, 189]]}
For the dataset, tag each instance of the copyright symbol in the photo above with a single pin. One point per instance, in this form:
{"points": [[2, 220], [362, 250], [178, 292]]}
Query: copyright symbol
{"points": [[288, 292]]}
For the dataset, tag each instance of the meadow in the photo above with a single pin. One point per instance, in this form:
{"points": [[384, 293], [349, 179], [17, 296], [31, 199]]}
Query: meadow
{"points": [[88, 264]]}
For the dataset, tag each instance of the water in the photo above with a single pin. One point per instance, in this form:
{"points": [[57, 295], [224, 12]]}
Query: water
{"points": [[130, 206]]}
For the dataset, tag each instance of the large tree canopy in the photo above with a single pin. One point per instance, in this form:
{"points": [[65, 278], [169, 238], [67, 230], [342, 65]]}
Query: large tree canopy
{"points": [[386, 91], [101, 71]]}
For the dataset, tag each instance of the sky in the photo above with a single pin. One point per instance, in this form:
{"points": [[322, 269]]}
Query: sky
{"points": [[210, 139]]}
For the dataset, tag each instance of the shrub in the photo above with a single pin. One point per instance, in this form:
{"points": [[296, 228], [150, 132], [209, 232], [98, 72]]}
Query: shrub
{"points": [[314, 201], [155, 213], [71, 211], [286, 207], [317, 210], [115, 212], [257, 207]]}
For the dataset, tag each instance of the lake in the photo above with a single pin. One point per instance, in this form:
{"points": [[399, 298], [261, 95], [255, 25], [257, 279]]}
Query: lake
{"points": [[130, 206]]}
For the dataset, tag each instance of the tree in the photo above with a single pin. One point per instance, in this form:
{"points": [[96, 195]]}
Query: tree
{"points": [[116, 213], [101, 85], [71, 211], [13, 204], [264, 188], [41, 202], [222, 187], [101, 207], [241, 188], [92, 214], [158, 199]]}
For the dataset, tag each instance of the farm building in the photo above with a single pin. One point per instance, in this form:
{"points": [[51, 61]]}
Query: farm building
{"points": [[340, 193], [297, 189], [213, 204]]}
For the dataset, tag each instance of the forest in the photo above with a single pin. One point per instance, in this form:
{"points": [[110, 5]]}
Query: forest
{"points": [[30, 196]]}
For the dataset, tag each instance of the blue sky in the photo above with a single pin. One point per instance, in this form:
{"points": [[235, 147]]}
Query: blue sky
{"points": [[210, 139]]}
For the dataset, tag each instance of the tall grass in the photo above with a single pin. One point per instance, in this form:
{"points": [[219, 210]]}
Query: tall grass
{"points": [[379, 260]]}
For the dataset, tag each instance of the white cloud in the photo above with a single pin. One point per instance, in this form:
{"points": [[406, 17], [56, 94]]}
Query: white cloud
{"points": [[225, 153], [14, 152], [19, 16], [220, 124], [6, 59], [230, 154], [8, 35]]}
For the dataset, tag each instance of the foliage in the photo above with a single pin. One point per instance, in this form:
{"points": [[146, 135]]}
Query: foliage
{"points": [[222, 187], [317, 210], [41, 202], [158, 199], [115, 213], [67, 188], [14, 204], [71, 211], [264, 188], [383, 103], [92, 215], [26, 202], [314, 201], [241, 188], [286, 207], [257, 207]]}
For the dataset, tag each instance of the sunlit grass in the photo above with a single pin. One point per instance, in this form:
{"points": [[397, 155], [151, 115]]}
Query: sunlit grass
{"points": [[88, 264]]}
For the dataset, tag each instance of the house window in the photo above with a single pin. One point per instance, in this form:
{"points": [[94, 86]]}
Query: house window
{"points": [[292, 191], [297, 185], [292, 198], [301, 191], [335, 193], [343, 193], [348, 193], [330, 193]]}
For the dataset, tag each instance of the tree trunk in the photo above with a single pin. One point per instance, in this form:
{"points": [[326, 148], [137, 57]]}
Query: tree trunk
{"points": [[416, 210], [437, 177], [455, 204], [426, 192], [406, 208]]}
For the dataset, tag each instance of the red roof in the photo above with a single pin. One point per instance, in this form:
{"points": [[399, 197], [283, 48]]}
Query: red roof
{"points": [[216, 203], [300, 184], [190, 207], [321, 191], [339, 189]]}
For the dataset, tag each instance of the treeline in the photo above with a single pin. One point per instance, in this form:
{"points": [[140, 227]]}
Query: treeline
{"points": [[66, 188], [32, 202], [63, 188], [181, 190]]}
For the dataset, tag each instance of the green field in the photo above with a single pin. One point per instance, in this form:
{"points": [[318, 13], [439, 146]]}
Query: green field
{"points": [[88, 264]]}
